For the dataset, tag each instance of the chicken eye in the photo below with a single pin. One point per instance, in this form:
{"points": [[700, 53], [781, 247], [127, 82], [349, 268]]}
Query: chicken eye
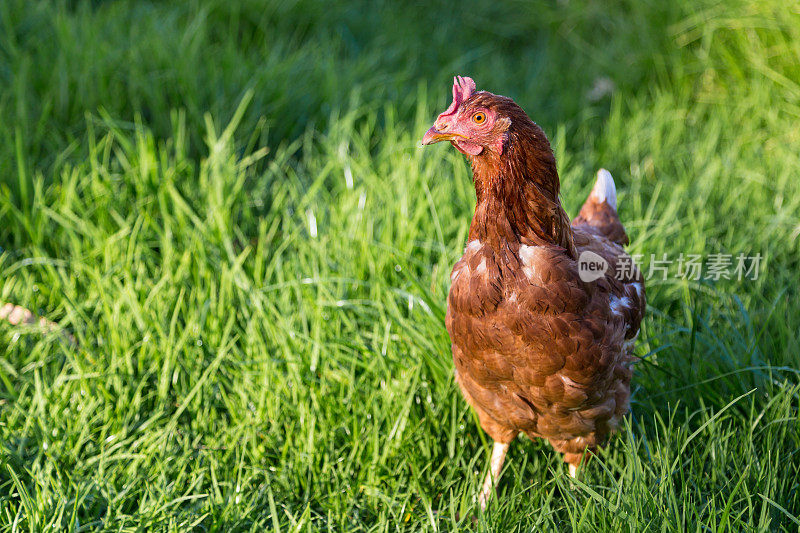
{"points": [[479, 117]]}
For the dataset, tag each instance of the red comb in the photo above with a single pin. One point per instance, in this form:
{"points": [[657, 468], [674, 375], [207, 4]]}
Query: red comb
{"points": [[463, 88]]}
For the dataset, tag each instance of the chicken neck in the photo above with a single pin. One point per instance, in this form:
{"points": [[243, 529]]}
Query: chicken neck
{"points": [[518, 195]]}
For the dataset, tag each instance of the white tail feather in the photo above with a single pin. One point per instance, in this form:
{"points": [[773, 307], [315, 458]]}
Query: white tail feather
{"points": [[604, 189]]}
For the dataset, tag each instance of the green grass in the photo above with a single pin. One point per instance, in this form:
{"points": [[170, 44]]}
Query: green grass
{"points": [[229, 209]]}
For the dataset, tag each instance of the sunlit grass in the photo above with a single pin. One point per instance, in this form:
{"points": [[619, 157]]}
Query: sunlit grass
{"points": [[254, 263]]}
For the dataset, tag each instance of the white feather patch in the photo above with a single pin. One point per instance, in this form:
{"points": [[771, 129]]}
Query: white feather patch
{"points": [[638, 287], [619, 304], [604, 189], [528, 256], [473, 246]]}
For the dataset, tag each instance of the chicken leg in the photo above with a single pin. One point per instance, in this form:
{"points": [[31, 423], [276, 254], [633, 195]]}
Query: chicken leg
{"points": [[573, 470], [499, 451]]}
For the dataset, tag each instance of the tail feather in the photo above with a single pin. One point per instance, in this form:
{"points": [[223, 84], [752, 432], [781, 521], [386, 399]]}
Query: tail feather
{"points": [[604, 189], [599, 213]]}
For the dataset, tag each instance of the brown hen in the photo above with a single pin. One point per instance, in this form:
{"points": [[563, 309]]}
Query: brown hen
{"points": [[542, 314]]}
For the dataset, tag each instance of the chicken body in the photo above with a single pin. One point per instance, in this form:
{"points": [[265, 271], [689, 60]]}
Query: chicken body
{"points": [[536, 349], [541, 343]]}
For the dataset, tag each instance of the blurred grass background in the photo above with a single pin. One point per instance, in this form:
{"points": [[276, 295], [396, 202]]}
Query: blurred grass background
{"points": [[226, 204]]}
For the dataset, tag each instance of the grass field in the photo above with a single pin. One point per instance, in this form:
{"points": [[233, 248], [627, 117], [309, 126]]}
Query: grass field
{"points": [[229, 209]]}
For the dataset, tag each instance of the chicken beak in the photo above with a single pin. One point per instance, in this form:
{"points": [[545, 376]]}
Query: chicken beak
{"points": [[434, 136]]}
